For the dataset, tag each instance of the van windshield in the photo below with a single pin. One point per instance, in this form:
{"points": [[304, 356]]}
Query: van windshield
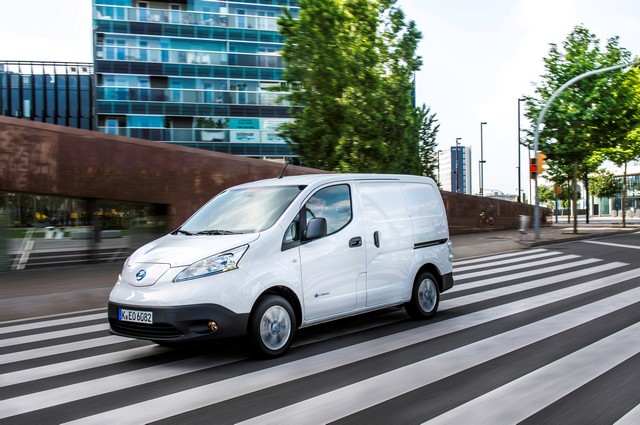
{"points": [[242, 210]]}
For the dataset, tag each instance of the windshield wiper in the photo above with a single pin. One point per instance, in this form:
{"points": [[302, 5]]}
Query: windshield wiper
{"points": [[184, 232], [216, 232]]}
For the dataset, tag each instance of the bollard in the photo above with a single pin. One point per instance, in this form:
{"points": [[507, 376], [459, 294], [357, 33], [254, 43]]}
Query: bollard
{"points": [[524, 223]]}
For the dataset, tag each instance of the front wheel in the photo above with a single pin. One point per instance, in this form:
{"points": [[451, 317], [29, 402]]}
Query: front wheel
{"points": [[425, 297], [272, 327]]}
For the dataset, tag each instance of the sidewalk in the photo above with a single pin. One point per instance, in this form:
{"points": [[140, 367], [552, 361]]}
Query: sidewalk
{"points": [[43, 292], [480, 244]]}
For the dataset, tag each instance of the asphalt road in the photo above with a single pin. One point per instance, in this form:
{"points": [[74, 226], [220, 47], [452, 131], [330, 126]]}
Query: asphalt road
{"points": [[545, 335]]}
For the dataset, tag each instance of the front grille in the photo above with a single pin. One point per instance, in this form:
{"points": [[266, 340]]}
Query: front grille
{"points": [[143, 330]]}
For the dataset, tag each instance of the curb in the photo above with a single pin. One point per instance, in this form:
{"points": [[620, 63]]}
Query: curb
{"points": [[581, 236]]}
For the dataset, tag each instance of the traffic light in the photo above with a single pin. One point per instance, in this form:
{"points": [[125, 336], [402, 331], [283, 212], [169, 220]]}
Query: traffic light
{"points": [[557, 189], [533, 168], [541, 162], [537, 165]]}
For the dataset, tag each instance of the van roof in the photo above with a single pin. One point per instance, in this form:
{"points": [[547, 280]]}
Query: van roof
{"points": [[318, 179]]}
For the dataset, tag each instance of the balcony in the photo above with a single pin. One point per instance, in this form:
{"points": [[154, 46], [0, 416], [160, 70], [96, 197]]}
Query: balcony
{"points": [[166, 16], [221, 97]]}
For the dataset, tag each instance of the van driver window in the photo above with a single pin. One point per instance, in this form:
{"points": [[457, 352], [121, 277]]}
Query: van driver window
{"points": [[334, 204]]}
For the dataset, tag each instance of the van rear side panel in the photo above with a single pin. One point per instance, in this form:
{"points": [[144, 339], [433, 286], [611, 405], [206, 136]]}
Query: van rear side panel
{"points": [[426, 210], [430, 228]]}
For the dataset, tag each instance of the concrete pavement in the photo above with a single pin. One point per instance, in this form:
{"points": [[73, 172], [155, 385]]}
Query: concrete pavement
{"points": [[44, 292]]}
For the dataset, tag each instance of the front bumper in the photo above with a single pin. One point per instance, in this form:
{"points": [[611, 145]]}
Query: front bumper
{"points": [[180, 323]]}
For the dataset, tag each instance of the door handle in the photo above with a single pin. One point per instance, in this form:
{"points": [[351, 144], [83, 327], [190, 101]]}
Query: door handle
{"points": [[354, 242], [376, 239]]}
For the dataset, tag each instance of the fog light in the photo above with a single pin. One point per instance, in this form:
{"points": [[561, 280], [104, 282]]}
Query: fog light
{"points": [[213, 326]]}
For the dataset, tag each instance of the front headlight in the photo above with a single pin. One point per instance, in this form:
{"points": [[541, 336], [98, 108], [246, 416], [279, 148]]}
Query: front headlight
{"points": [[215, 264]]}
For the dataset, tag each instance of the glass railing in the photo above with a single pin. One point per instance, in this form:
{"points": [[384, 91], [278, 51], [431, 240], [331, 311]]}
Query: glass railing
{"points": [[125, 53], [223, 20], [192, 96], [196, 135]]}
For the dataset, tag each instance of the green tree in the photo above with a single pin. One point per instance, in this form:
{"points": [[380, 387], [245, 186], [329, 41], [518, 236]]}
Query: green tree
{"points": [[546, 195], [428, 131], [575, 125], [626, 122], [604, 184], [350, 66]]}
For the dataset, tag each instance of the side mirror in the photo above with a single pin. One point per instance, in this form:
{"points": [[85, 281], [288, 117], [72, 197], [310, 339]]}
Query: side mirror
{"points": [[316, 228]]}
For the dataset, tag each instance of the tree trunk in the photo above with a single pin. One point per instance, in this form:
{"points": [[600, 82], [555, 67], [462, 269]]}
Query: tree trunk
{"points": [[624, 196], [574, 197]]}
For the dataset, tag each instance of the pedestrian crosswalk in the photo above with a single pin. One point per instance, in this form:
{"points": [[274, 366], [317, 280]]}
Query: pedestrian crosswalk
{"points": [[518, 335]]}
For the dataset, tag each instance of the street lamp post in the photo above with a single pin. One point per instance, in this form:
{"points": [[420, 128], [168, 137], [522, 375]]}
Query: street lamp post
{"points": [[482, 161], [458, 164], [519, 164]]}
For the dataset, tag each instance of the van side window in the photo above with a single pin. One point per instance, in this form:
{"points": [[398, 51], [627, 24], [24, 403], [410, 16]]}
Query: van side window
{"points": [[334, 204]]}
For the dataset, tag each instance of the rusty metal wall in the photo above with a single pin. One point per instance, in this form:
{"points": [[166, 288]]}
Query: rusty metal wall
{"points": [[471, 214], [54, 160]]}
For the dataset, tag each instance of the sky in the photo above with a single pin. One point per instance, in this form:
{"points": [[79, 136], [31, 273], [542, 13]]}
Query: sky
{"points": [[479, 57]]}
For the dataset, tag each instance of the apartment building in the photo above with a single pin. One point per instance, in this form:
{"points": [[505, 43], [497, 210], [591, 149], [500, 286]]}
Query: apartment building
{"points": [[198, 73]]}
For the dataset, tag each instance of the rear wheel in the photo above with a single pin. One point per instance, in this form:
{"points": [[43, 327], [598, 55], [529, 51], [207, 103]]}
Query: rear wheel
{"points": [[424, 298], [272, 327]]}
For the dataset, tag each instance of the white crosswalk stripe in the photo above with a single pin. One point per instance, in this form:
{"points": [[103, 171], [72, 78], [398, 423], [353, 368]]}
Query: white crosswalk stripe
{"points": [[492, 264], [510, 303], [564, 258], [542, 387], [332, 406], [48, 323]]}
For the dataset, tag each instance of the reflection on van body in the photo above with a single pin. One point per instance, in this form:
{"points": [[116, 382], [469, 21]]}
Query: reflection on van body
{"points": [[266, 258]]}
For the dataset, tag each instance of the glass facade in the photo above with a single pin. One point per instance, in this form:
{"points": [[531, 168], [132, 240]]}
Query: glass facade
{"points": [[633, 196], [198, 73], [43, 230], [51, 92], [460, 169]]}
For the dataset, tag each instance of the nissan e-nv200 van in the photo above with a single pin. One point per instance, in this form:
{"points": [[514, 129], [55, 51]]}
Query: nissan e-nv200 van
{"points": [[266, 258]]}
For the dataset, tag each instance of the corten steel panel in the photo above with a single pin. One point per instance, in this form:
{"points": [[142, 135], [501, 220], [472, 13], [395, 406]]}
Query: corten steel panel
{"points": [[54, 160], [470, 214]]}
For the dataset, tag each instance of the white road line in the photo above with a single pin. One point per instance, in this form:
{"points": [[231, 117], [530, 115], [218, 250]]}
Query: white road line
{"points": [[56, 369], [111, 358], [195, 398], [499, 279], [618, 245], [503, 262], [512, 289], [353, 398], [60, 349], [53, 335], [43, 324], [69, 393], [631, 418], [516, 267], [49, 317], [523, 397], [496, 257]]}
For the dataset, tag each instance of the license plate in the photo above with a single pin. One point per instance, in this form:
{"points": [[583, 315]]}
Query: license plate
{"points": [[125, 315]]}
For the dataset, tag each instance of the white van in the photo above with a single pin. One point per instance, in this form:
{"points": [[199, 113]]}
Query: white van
{"points": [[266, 258]]}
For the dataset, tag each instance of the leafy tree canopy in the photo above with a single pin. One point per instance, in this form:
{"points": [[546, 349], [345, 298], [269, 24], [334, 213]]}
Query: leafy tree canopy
{"points": [[590, 116], [604, 184], [583, 118], [350, 65]]}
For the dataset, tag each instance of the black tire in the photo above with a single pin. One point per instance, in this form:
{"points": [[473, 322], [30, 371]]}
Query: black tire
{"points": [[272, 327], [425, 297]]}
